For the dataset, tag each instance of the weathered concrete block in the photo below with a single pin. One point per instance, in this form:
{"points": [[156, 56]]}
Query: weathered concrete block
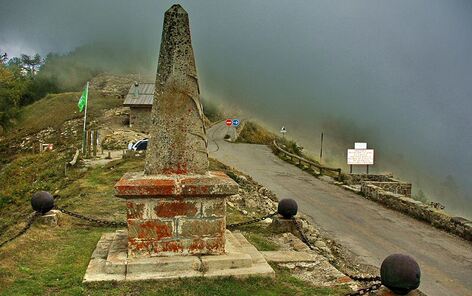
{"points": [[212, 227], [176, 214], [51, 218], [180, 246], [214, 208], [177, 207], [282, 225], [138, 185], [135, 209], [150, 229]]}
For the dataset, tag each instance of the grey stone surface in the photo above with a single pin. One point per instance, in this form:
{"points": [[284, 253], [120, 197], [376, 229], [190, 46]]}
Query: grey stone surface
{"points": [[291, 256], [51, 218], [241, 260], [177, 141], [163, 264]]}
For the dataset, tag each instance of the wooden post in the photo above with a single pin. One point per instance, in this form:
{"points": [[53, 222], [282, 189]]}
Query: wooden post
{"points": [[350, 169], [88, 142], [94, 143], [321, 148]]}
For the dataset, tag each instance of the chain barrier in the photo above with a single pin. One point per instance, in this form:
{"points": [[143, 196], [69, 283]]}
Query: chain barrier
{"points": [[32, 217], [364, 278], [302, 234], [92, 220], [364, 291], [252, 221]]}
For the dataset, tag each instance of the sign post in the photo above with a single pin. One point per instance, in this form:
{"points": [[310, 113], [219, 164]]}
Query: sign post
{"points": [[283, 131], [360, 155]]}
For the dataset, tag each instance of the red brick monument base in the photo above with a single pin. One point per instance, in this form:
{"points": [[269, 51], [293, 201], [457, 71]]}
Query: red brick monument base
{"points": [[176, 214]]}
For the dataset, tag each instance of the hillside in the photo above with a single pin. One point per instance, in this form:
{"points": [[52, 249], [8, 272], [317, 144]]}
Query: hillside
{"points": [[52, 260]]}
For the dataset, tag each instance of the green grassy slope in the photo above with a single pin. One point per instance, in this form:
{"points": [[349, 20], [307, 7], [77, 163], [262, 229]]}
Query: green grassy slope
{"points": [[53, 260], [55, 109]]}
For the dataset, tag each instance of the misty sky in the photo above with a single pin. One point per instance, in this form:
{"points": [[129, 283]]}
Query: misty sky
{"points": [[396, 74]]}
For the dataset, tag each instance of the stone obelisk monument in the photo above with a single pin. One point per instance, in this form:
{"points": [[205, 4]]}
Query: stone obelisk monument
{"points": [[178, 143], [176, 207]]}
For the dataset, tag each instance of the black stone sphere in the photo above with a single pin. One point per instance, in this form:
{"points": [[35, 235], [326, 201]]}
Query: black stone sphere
{"points": [[400, 273], [42, 202], [287, 208]]}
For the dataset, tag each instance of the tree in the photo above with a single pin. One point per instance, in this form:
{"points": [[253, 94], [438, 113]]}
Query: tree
{"points": [[10, 91], [3, 57], [31, 64]]}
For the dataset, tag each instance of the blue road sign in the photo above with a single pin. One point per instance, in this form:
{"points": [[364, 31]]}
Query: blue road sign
{"points": [[235, 122]]}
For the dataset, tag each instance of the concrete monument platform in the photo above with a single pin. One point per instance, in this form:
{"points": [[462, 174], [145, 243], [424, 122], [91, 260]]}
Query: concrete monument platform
{"points": [[110, 262]]}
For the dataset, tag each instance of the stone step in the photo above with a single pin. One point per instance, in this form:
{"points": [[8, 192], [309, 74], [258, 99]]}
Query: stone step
{"points": [[227, 261], [248, 248], [117, 254], [163, 264], [245, 261], [290, 256]]}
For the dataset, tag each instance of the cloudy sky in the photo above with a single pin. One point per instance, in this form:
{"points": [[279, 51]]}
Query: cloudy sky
{"points": [[396, 74]]}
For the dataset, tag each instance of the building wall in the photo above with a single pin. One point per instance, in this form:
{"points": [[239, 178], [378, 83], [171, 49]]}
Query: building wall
{"points": [[140, 119]]}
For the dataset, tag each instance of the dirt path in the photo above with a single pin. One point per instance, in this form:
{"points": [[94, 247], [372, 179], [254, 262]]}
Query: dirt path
{"points": [[368, 229], [102, 159]]}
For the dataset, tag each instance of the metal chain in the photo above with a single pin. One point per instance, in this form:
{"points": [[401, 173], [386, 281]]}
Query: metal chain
{"points": [[32, 217], [252, 221], [354, 277], [364, 291], [364, 278], [93, 220], [302, 234]]}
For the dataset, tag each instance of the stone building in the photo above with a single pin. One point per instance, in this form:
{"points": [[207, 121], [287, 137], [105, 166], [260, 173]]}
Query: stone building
{"points": [[139, 99]]}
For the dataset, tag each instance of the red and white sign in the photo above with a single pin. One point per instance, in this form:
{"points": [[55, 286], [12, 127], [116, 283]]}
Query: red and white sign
{"points": [[229, 122]]}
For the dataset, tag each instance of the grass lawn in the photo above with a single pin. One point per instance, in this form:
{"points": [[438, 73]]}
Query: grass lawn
{"points": [[55, 109], [53, 260]]}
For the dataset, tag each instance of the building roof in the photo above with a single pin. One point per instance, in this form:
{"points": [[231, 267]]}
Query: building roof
{"points": [[144, 98]]}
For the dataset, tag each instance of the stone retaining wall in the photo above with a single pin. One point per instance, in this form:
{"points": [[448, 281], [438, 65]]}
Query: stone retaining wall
{"points": [[437, 218], [394, 187], [357, 179]]}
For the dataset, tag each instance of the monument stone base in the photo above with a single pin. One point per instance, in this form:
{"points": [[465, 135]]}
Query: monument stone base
{"points": [[110, 262]]}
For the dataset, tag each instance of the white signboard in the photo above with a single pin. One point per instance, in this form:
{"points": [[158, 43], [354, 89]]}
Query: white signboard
{"points": [[360, 145], [360, 156]]}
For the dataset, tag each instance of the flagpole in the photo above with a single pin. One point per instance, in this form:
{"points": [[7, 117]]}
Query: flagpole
{"points": [[85, 120]]}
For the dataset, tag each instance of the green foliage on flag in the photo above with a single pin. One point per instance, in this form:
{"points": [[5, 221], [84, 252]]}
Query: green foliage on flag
{"points": [[83, 100]]}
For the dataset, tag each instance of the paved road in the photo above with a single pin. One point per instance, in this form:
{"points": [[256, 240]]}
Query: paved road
{"points": [[365, 227]]}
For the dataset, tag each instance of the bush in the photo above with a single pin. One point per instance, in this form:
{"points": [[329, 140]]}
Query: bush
{"points": [[253, 133]]}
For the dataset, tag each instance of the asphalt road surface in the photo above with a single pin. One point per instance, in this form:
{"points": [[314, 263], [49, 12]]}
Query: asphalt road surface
{"points": [[368, 229]]}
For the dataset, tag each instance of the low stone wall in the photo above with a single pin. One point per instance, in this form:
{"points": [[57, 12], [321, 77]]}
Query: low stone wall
{"points": [[437, 218], [394, 187], [357, 179]]}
